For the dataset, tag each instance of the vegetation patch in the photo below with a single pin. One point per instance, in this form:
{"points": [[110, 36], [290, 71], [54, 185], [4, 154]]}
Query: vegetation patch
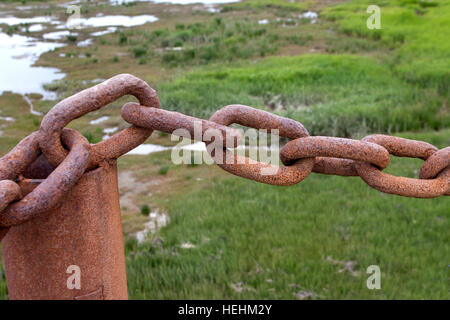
{"points": [[341, 95], [416, 30], [217, 40], [281, 5]]}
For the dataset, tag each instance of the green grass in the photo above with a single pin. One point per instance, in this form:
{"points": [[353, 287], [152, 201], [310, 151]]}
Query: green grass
{"points": [[145, 209], [416, 30], [249, 232], [15, 106], [282, 5], [341, 95], [215, 40]]}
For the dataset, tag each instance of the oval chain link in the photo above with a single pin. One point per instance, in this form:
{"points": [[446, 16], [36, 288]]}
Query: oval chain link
{"points": [[258, 171], [90, 100], [403, 186]]}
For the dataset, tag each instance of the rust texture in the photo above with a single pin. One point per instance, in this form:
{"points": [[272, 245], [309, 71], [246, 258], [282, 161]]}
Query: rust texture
{"points": [[3, 232], [84, 230], [254, 170], [90, 100], [335, 166], [19, 158], [409, 187], [169, 121], [437, 162], [336, 148], [9, 192], [402, 147], [52, 189], [259, 119], [13, 164]]}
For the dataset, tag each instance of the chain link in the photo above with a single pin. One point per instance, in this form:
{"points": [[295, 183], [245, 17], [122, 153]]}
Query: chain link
{"points": [[43, 151], [90, 100], [9, 192], [170, 122], [435, 164], [48, 193], [254, 170], [408, 187]]}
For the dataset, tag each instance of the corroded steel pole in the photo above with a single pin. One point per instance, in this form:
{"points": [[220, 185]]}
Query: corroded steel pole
{"points": [[74, 251]]}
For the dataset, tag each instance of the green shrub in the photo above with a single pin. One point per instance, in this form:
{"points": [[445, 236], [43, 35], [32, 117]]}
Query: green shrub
{"points": [[89, 136], [139, 51], [165, 43], [163, 170], [145, 210], [72, 38], [169, 57], [180, 26], [123, 39]]}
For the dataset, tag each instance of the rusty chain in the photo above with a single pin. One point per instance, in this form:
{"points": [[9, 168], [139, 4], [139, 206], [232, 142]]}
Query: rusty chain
{"points": [[90, 100], [47, 150]]}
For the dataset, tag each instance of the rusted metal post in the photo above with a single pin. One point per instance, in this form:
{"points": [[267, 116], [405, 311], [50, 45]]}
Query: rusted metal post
{"points": [[74, 251]]}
